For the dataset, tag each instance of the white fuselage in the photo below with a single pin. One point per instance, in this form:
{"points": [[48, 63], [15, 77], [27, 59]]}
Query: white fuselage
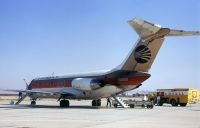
{"points": [[103, 92]]}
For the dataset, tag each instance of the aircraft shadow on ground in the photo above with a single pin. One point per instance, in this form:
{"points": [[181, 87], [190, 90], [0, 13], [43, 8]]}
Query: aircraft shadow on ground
{"points": [[21, 106], [8, 106]]}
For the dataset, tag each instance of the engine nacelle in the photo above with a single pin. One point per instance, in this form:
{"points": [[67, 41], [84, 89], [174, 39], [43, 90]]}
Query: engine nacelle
{"points": [[86, 84]]}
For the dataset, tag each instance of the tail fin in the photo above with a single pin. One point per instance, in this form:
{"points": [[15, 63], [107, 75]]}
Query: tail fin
{"points": [[151, 38]]}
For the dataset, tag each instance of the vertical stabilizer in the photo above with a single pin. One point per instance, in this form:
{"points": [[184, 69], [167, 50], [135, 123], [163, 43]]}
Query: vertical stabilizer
{"points": [[151, 37]]}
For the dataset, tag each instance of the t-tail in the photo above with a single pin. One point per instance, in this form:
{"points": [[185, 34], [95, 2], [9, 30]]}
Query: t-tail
{"points": [[151, 38]]}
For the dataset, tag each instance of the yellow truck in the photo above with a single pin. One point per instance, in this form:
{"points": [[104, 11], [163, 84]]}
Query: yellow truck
{"points": [[175, 97]]}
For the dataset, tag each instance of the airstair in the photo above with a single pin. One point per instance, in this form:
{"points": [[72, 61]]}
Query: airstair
{"points": [[21, 99], [120, 102]]}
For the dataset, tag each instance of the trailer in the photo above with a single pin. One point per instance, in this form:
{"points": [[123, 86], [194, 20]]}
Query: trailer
{"points": [[134, 103]]}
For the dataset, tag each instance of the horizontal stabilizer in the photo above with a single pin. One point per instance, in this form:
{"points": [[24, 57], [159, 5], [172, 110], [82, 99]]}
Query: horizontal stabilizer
{"points": [[146, 29], [182, 33]]}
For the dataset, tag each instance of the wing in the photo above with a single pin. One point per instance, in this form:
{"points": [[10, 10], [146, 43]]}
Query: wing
{"points": [[42, 92], [27, 91]]}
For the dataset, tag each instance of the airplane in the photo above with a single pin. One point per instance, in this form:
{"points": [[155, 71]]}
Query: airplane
{"points": [[129, 75]]}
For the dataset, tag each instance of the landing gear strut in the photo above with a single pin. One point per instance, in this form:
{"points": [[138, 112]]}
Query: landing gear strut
{"points": [[96, 103]]}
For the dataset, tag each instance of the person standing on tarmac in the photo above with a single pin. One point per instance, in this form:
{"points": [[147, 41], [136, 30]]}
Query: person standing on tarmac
{"points": [[108, 102], [145, 98], [20, 95], [158, 100]]}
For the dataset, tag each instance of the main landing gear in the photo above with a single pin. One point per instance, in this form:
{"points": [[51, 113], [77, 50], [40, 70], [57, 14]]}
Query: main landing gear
{"points": [[96, 103], [33, 102], [64, 103]]}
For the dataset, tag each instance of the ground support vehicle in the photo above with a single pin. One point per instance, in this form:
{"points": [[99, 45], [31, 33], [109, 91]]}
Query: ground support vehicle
{"points": [[175, 97]]}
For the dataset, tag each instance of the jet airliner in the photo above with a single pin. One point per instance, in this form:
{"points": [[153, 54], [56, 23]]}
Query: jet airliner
{"points": [[129, 75]]}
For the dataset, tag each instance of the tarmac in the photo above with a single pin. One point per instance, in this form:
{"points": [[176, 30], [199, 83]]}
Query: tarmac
{"points": [[47, 114]]}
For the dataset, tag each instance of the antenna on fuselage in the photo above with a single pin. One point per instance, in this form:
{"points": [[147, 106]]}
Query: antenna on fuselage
{"points": [[26, 83], [53, 74]]}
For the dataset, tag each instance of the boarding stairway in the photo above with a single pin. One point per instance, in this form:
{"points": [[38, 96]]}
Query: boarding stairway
{"points": [[21, 99], [120, 102]]}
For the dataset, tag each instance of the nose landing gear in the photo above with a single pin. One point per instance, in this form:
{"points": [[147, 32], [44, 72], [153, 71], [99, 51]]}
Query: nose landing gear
{"points": [[96, 103]]}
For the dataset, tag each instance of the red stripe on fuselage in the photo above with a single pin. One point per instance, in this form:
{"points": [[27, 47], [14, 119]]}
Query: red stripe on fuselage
{"points": [[50, 84]]}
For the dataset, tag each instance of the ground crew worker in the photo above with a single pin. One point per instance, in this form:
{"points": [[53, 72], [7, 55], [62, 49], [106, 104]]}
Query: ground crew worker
{"points": [[145, 98], [158, 100], [108, 102], [20, 95]]}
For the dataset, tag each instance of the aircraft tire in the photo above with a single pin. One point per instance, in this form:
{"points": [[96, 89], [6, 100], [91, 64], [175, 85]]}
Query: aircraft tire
{"points": [[132, 105], [143, 106], [67, 103], [173, 102], [96, 103], [33, 102], [115, 105], [99, 102], [64, 103]]}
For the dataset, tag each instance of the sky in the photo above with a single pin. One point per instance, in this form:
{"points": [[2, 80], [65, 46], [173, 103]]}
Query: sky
{"points": [[41, 37]]}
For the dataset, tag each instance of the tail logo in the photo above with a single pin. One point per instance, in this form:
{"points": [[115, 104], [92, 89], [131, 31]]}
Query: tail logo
{"points": [[142, 54]]}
